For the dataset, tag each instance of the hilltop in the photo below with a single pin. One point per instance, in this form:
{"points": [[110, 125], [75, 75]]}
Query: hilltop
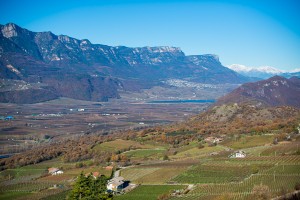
{"points": [[275, 91]]}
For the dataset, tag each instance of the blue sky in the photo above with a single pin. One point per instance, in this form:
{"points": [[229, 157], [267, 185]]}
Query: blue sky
{"points": [[252, 33]]}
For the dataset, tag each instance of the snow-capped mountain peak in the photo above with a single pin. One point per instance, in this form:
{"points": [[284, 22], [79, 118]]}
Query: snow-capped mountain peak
{"points": [[260, 72], [265, 69]]}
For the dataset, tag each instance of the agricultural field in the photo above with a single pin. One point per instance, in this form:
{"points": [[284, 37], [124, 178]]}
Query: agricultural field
{"points": [[145, 154], [151, 175], [33, 181], [36, 124], [156, 173], [199, 171], [149, 192], [119, 144], [243, 190], [283, 149], [248, 141], [195, 152], [218, 176]]}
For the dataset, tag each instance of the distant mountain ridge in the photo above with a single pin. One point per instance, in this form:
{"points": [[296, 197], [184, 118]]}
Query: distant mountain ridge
{"points": [[275, 91], [81, 70], [263, 72]]}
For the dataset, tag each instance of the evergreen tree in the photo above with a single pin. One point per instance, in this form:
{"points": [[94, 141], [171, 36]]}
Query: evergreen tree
{"points": [[88, 188]]}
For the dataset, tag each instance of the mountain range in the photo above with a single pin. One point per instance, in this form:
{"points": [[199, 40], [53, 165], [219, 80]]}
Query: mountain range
{"points": [[46, 66], [263, 72]]}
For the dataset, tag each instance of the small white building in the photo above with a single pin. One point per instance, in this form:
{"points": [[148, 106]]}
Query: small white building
{"points": [[58, 172], [55, 171], [238, 154], [116, 184]]}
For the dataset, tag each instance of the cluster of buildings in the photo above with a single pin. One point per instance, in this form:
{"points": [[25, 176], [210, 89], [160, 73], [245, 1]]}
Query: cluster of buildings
{"points": [[183, 83], [115, 185]]}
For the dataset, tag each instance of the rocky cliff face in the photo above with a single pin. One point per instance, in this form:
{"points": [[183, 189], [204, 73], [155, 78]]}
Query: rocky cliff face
{"points": [[65, 63]]}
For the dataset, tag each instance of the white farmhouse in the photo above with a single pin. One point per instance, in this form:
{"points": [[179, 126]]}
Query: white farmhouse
{"points": [[117, 184], [55, 171], [238, 154]]}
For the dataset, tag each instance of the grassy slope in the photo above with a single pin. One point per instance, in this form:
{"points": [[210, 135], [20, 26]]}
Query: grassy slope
{"points": [[119, 144]]}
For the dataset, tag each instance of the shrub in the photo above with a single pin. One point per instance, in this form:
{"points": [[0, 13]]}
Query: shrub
{"points": [[200, 146], [261, 192], [166, 157], [297, 186], [163, 196], [79, 165]]}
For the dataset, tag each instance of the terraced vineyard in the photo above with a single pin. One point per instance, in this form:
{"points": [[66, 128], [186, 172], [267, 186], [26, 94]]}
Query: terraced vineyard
{"points": [[249, 141], [156, 173], [148, 192], [282, 149], [279, 173], [32, 181], [26, 188], [243, 190], [135, 174], [194, 173]]}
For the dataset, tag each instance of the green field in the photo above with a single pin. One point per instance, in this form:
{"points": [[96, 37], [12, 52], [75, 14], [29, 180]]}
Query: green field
{"points": [[243, 190], [12, 195], [235, 178], [23, 173], [249, 141], [119, 144], [151, 175], [195, 152], [145, 153], [281, 149], [214, 172], [148, 192], [30, 182], [59, 196]]}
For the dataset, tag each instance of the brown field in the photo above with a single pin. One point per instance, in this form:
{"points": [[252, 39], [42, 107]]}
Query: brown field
{"points": [[35, 124]]}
